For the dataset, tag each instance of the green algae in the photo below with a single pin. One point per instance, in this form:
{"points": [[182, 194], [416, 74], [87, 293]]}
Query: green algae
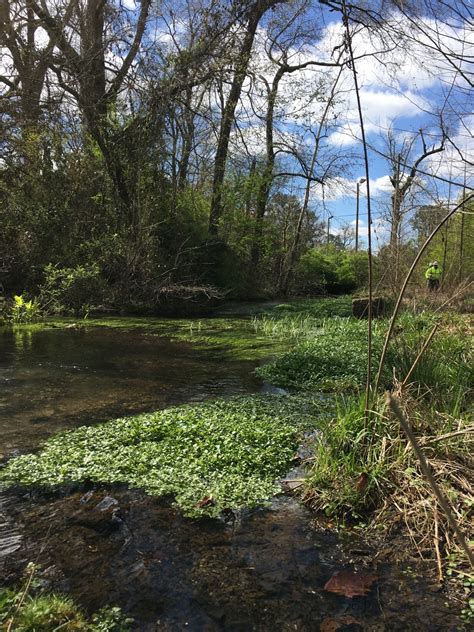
{"points": [[236, 337]]}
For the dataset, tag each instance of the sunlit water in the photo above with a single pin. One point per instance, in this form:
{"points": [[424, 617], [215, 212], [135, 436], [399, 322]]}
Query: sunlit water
{"points": [[60, 378]]}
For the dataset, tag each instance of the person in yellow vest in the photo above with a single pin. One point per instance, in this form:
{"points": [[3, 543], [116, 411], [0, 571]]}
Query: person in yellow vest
{"points": [[433, 275]]}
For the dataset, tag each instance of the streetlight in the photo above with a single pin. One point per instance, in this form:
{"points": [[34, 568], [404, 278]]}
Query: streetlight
{"points": [[359, 182], [329, 223]]}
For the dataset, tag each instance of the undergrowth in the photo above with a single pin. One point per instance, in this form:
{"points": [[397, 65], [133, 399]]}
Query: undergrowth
{"points": [[223, 454], [331, 355], [363, 467]]}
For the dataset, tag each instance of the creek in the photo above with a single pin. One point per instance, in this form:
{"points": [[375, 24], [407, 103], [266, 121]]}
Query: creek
{"points": [[260, 569]]}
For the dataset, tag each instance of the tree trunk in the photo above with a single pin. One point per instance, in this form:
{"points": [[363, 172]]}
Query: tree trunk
{"points": [[267, 176], [228, 116]]}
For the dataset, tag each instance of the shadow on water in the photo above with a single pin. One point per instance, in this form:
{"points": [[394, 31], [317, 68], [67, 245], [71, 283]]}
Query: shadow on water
{"points": [[257, 570]]}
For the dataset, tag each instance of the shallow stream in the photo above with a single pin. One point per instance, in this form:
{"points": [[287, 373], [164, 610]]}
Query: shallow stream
{"points": [[253, 570]]}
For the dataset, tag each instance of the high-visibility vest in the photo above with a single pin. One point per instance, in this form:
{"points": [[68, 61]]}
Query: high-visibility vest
{"points": [[433, 273]]}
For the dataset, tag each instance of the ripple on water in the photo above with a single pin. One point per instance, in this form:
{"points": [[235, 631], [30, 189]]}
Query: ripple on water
{"points": [[10, 538]]}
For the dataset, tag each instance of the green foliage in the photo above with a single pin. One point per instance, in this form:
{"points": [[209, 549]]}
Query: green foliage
{"points": [[109, 619], [23, 310], [75, 289], [445, 374], [50, 612], [327, 269], [227, 451], [47, 613], [331, 355]]}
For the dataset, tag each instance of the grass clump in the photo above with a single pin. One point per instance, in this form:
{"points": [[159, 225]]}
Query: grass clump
{"points": [[228, 452], [365, 466], [351, 468], [30, 609]]}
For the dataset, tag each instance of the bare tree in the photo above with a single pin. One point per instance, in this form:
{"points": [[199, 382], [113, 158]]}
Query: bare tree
{"points": [[252, 18]]}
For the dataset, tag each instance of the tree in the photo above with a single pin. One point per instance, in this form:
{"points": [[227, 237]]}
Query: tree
{"points": [[80, 33], [252, 17]]}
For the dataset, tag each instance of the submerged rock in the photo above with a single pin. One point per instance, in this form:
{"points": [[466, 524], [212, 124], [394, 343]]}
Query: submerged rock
{"points": [[269, 389], [106, 503]]}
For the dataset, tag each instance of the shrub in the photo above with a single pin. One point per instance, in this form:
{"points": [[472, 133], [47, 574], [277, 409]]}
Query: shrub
{"points": [[76, 290], [326, 269]]}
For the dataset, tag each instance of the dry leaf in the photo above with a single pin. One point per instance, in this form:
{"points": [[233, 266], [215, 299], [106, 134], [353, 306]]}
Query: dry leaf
{"points": [[205, 502], [350, 584], [361, 484]]}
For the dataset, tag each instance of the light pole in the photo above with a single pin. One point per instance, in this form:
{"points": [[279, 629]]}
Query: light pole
{"points": [[359, 182], [329, 224]]}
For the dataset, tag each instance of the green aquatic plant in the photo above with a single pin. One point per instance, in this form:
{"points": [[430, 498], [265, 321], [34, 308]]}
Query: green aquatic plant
{"points": [[331, 356], [223, 454]]}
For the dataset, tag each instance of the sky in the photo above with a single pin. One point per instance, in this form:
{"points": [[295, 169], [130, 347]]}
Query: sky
{"points": [[399, 91]]}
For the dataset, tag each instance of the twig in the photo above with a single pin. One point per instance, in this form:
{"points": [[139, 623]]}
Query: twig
{"points": [[436, 544], [460, 291], [22, 598], [449, 435], [425, 468], [345, 18], [418, 357]]}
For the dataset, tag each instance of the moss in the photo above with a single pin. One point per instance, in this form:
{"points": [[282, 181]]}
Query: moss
{"points": [[30, 609]]}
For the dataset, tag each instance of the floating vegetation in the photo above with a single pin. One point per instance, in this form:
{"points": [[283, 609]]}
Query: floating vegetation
{"points": [[223, 454]]}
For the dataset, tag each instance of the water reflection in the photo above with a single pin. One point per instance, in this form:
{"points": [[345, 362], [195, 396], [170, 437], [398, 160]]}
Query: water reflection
{"points": [[58, 378]]}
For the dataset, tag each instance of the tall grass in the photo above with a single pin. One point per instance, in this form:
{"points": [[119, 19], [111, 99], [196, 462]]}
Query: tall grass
{"points": [[331, 354], [353, 464], [358, 469]]}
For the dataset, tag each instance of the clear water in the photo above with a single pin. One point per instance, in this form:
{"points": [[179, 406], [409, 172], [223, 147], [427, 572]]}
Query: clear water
{"points": [[262, 570]]}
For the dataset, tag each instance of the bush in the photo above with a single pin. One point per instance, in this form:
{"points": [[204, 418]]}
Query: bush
{"points": [[326, 269], [76, 290]]}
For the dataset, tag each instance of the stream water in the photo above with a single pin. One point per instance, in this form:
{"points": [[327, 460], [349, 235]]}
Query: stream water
{"points": [[256, 570]]}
